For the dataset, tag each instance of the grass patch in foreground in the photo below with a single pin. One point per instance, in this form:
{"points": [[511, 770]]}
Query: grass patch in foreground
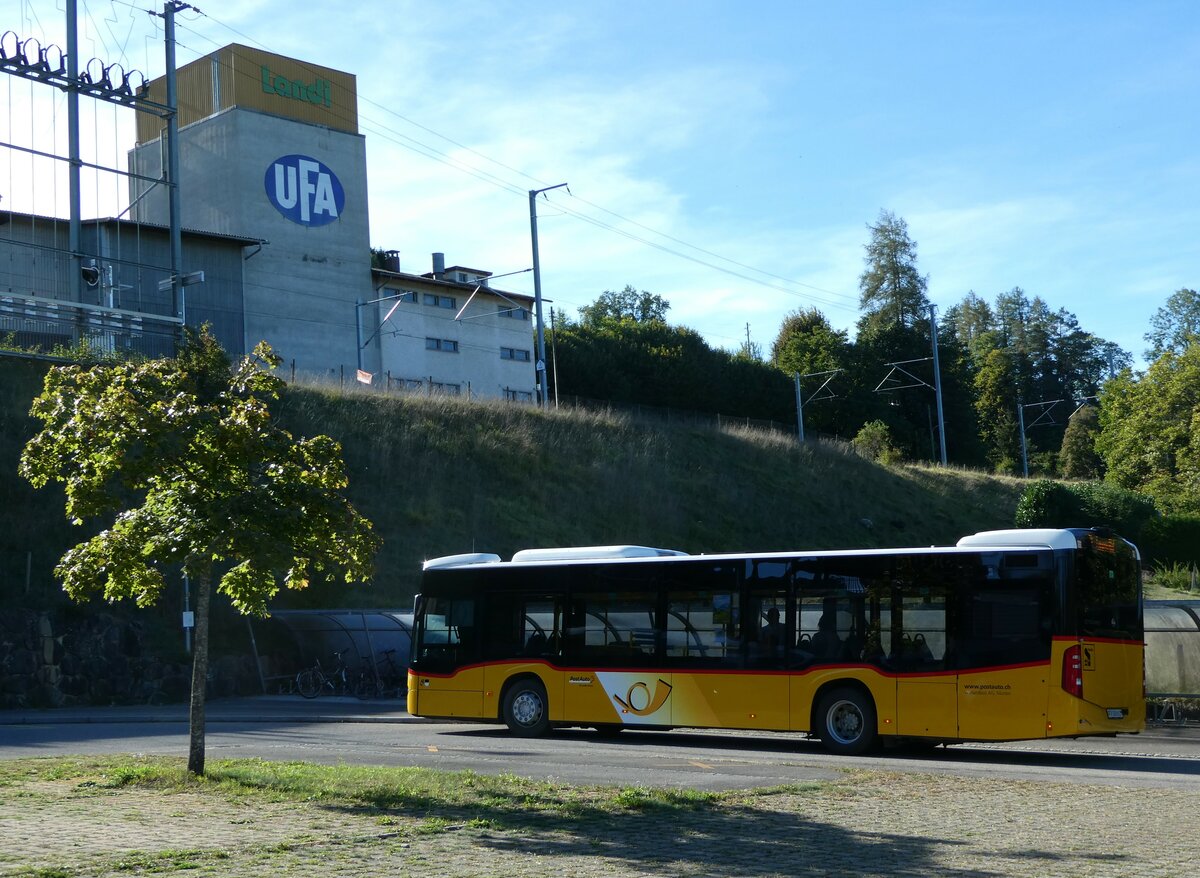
{"points": [[462, 796]]}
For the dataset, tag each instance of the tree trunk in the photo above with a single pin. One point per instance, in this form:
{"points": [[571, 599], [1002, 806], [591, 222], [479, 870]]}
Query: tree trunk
{"points": [[199, 675]]}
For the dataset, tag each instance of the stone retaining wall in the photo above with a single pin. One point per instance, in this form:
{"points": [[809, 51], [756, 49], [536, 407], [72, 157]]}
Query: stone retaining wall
{"points": [[48, 659]]}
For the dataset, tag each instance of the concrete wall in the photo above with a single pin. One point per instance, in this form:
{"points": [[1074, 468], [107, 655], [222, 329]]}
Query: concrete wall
{"points": [[300, 289]]}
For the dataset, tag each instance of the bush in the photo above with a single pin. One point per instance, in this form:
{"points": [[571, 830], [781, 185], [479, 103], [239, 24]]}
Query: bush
{"points": [[874, 442], [1172, 539], [1178, 577], [1047, 503]]}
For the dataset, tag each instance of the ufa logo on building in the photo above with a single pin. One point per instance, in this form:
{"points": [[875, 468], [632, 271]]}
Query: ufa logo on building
{"points": [[305, 190]]}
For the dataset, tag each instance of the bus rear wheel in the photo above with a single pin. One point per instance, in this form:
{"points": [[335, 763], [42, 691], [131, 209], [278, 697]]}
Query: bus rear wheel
{"points": [[846, 721], [526, 710]]}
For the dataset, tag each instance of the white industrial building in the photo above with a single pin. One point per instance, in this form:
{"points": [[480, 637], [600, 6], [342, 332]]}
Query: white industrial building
{"points": [[273, 194]]}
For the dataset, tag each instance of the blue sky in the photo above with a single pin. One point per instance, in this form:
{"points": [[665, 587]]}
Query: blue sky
{"points": [[729, 156]]}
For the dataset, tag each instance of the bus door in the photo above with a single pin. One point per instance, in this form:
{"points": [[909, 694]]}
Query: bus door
{"points": [[446, 658], [727, 659], [1006, 620], [613, 660], [926, 692], [771, 632]]}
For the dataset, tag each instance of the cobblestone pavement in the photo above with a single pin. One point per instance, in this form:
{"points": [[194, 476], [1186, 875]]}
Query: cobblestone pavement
{"points": [[868, 824]]}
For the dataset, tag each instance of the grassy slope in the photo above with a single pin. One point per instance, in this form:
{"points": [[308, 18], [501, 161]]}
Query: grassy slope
{"points": [[446, 476]]}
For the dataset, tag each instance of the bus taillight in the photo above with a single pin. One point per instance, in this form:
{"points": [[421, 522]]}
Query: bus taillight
{"points": [[1072, 671]]}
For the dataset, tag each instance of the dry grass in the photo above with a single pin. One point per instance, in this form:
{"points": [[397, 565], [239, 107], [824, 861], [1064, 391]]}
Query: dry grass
{"points": [[441, 475], [444, 475]]}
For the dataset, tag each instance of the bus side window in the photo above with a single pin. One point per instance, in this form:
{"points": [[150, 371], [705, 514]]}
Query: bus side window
{"points": [[922, 644], [540, 627]]}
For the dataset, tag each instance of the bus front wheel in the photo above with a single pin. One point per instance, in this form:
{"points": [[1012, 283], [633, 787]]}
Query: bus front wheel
{"points": [[846, 721], [526, 710]]}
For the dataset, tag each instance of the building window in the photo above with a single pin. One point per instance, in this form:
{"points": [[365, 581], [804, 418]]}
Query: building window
{"points": [[445, 389], [400, 295], [440, 301], [515, 313], [518, 395], [448, 345], [514, 354]]}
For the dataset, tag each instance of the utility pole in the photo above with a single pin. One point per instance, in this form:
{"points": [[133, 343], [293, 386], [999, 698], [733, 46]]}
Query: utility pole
{"points": [[937, 379], [1045, 418], [537, 293], [799, 408], [1024, 452], [554, 354], [74, 234], [822, 392], [178, 307]]}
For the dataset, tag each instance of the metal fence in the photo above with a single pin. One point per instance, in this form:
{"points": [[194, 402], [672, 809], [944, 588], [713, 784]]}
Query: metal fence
{"points": [[44, 326], [668, 415], [388, 383]]}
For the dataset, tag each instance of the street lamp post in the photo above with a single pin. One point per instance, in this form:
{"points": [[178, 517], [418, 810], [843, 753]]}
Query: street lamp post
{"points": [[537, 293]]}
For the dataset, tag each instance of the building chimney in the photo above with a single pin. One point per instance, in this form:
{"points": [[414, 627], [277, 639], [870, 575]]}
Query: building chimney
{"points": [[439, 266], [391, 261]]}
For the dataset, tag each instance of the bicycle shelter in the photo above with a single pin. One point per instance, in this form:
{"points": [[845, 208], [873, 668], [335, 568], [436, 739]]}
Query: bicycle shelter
{"points": [[291, 640]]}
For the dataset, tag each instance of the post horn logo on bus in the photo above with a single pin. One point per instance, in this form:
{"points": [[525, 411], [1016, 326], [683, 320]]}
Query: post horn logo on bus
{"points": [[640, 702], [304, 190]]}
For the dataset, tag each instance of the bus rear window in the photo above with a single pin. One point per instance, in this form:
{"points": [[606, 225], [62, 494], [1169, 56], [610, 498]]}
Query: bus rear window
{"points": [[1108, 581]]}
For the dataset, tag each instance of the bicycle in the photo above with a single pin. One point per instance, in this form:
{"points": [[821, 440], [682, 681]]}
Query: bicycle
{"points": [[383, 679], [311, 682]]}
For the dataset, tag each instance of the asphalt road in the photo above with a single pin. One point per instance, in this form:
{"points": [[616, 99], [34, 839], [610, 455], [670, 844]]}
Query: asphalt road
{"points": [[1164, 758]]}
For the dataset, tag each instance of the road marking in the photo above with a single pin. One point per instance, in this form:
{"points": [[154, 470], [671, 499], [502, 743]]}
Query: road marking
{"points": [[432, 749]]}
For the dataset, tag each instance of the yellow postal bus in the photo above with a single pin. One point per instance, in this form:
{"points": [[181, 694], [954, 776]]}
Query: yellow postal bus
{"points": [[1008, 635]]}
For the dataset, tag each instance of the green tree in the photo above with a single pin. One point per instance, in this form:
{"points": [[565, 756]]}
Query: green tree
{"points": [[1078, 458], [874, 442], [651, 363], [995, 405], [973, 323], [807, 343], [894, 329], [183, 461], [1174, 325], [1150, 430], [891, 289], [629, 304], [1053, 358]]}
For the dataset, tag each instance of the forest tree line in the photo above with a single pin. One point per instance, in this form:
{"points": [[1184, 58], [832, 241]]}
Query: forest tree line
{"points": [[1012, 359]]}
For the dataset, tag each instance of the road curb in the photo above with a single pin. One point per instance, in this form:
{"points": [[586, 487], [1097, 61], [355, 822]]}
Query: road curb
{"points": [[249, 711]]}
